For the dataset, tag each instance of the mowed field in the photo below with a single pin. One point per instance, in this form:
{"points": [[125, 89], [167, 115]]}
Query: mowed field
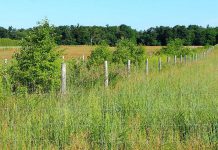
{"points": [[69, 51]]}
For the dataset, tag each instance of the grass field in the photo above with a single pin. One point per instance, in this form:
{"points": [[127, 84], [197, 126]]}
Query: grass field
{"points": [[69, 51], [174, 109], [72, 51], [8, 42]]}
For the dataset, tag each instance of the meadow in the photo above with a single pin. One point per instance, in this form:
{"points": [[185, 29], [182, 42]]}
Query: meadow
{"points": [[172, 109], [72, 51], [5, 42]]}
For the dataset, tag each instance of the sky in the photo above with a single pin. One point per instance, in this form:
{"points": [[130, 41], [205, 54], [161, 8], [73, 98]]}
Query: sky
{"points": [[139, 14]]}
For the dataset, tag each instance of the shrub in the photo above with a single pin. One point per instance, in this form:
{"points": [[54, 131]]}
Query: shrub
{"points": [[100, 54], [138, 55], [175, 47], [36, 67], [127, 50]]}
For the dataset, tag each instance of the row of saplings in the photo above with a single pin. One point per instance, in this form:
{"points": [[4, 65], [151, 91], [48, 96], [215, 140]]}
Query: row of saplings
{"points": [[36, 67], [91, 72]]}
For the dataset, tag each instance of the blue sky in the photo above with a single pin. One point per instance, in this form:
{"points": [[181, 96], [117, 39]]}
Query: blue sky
{"points": [[140, 14]]}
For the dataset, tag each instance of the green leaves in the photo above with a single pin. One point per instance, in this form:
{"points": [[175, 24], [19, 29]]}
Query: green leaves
{"points": [[127, 50], [99, 55], [175, 47], [37, 66]]}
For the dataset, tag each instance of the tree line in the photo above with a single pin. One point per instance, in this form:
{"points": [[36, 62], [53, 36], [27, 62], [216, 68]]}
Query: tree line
{"points": [[93, 35], [36, 66]]}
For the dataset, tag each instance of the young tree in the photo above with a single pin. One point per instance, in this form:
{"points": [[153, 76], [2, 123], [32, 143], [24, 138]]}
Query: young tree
{"points": [[36, 67], [128, 50], [175, 47], [100, 54]]}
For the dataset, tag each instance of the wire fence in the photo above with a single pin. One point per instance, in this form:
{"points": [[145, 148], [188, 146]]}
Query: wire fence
{"points": [[151, 65], [107, 123]]}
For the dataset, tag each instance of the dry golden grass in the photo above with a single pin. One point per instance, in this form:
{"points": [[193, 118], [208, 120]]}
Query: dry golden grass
{"points": [[74, 51], [7, 53], [71, 51]]}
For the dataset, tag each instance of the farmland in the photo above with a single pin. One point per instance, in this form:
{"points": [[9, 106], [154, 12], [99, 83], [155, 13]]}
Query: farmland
{"points": [[109, 75], [172, 109], [71, 51]]}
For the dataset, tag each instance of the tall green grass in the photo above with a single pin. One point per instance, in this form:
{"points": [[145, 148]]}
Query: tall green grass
{"points": [[173, 109]]}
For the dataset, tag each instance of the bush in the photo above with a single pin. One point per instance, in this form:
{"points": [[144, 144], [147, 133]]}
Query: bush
{"points": [[100, 54], [127, 50], [175, 47], [37, 67]]}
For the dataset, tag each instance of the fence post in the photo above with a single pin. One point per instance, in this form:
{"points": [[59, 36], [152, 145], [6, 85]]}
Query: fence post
{"points": [[196, 57], [128, 67], [175, 59], [159, 65], [204, 54], [168, 59], [63, 78], [4, 78], [185, 59], [106, 74], [83, 58], [6, 61], [193, 57], [180, 58], [147, 66]]}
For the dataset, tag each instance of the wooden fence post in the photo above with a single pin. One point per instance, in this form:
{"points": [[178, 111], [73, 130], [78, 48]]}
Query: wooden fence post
{"points": [[175, 59], [180, 58], [159, 65], [6, 61], [196, 57], [4, 78], [106, 74], [63, 78], [128, 67], [168, 59], [185, 59], [147, 66], [83, 58]]}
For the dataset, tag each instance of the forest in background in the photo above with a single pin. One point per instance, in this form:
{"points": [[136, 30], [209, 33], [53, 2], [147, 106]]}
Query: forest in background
{"points": [[93, 35]]}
